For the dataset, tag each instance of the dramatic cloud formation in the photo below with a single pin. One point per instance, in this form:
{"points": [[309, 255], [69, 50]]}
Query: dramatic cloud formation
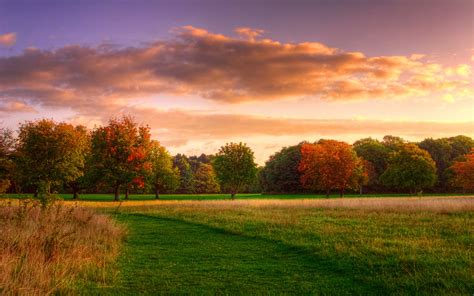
{"points": [[8, 39], [219, 68]]}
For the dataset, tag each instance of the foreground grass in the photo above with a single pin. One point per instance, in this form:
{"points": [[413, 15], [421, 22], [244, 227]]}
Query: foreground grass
{"points": [[51, 250], [296, 247]]}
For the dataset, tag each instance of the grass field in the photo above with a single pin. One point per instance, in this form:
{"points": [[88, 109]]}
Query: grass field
{"points": [[353, 246], [109, 197]]}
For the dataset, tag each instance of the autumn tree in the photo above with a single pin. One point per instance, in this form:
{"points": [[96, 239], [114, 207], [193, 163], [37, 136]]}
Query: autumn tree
{"points": [[49, 153], [281, 173], [163, 176], [329, 165], [410, 168], [205, 180], [235, 167], [120, 154], [464, 172], [7, 148]]}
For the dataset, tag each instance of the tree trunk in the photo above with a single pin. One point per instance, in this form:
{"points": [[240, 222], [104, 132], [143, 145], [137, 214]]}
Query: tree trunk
{"points": [[232, 195], [360, 190], [75, 192], [35, 195], [327, 193], [341, 192], [116, 192], [126, 193], [157, 193]]}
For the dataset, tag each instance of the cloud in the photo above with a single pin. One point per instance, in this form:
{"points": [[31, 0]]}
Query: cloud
{"points": [[175, 127], [8, 39], [248, 33], [221, 68], [16, 107]]}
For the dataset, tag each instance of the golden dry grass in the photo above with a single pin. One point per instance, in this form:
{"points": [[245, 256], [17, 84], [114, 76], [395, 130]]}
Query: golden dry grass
{"points": [[434, 204], [45, 251]]}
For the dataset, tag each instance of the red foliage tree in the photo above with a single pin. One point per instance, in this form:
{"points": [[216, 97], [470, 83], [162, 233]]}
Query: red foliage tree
{"points": [[464, 172], [120, 154], [329, 165]]}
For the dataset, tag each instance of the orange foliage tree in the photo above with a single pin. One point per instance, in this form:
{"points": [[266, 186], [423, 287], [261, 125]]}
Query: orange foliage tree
{"points": [[330, 165], [464, 173], [120, 154]]}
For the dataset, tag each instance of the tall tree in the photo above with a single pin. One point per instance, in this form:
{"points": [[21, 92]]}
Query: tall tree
{"points": [[7, 148], [460, 145], [205, 180], [235, 167], [441, 152], [280, 174], [374, 152], [163, 176], [49, 153], [186, 175], [410, 168], [120, 153], [329, 165], [464, 172]]}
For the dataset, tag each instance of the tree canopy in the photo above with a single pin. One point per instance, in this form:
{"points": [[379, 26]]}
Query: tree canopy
{"points": [[235, 167], [120, 153], [329, 165], [410, 168]]}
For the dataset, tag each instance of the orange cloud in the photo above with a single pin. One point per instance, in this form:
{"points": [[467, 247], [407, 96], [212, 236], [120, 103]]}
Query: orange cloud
{"points": [[8, 39], [220, 68], [177, 127], [15, 106]]}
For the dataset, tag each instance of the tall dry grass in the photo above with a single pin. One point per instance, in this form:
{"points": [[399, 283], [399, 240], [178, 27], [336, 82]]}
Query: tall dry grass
{"points": [[45, 251]]}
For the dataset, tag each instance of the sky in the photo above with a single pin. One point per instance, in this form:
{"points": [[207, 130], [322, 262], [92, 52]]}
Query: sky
{"points": [[268, 73]]}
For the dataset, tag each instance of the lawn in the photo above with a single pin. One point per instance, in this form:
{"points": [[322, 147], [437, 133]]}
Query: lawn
{"points": [[385, 246]]}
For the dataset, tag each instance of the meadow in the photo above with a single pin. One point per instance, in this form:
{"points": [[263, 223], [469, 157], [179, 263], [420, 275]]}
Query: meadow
{"points": [[392, 245], [341, 246]]}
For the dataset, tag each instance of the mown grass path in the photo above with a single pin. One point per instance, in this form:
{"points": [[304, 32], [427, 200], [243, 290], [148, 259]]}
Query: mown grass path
{"points": [[167, 256]]}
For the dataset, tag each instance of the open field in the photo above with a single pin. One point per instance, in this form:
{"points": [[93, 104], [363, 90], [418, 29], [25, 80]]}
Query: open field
{"points": [[332, 246], [221, 196], [369, 246]]}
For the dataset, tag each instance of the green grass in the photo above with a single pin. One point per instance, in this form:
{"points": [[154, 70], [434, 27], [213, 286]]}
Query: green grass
{"points": [[223, 249], [109, 197]]}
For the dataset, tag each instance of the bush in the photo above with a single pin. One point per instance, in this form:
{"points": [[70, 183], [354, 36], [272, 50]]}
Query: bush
{"points": [[48, 250]]}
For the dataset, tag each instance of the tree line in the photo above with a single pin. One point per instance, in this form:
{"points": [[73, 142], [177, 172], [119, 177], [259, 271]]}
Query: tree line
{"points": [[45, 156]]}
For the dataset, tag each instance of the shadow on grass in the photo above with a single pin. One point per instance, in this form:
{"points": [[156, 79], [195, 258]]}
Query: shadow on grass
{"points": [[171, 256]]}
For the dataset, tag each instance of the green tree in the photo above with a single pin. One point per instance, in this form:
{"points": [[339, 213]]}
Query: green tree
{"points": [[441, 152], [280, 174], [460, 145], [120, 154], [181, 162], [163, 176], [48, 154], [376, 153], [410, 168], [235, 167], [393, 143], [205, 179]]}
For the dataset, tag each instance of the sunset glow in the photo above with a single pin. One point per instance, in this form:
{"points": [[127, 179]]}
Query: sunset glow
{"points": [[272, 74]]}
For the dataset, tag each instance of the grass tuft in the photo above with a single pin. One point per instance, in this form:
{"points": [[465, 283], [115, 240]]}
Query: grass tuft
{"points": [[49, 250]]}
